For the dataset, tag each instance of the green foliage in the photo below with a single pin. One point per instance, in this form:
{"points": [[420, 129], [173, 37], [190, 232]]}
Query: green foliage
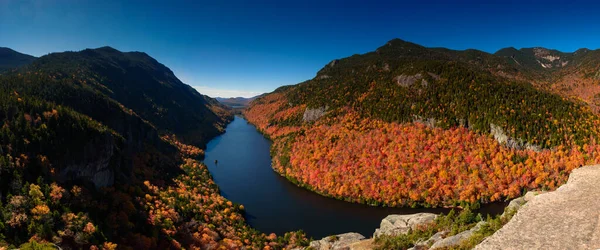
{"points": [[404, 241], [448, 86], [34, 245], [450, 223], [140, 84], [455, 224], [492, 225], [92, 108]]}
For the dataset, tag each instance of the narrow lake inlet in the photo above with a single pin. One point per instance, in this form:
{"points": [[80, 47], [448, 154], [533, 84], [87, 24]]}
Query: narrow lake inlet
{"points": [[240, 163]]}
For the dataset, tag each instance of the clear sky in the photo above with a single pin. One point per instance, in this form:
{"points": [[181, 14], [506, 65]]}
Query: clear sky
{"points": [[243, 48]]}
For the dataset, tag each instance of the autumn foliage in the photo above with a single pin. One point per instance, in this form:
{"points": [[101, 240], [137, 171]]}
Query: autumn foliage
{"points": [[194, 215], [370, 161]]}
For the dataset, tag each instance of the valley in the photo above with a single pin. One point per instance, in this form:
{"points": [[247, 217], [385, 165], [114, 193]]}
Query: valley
{"points": [[273, 204], [104, 149]]}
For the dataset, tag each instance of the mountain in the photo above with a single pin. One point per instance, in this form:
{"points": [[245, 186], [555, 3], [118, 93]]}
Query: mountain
{"points": [[235, 101], [572, 75], [407, 125], [100, 149], [536, 58], [139, 83], [10, 59]]}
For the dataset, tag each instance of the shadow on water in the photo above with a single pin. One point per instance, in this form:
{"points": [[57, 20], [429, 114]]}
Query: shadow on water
{"points": [[273, 204]]}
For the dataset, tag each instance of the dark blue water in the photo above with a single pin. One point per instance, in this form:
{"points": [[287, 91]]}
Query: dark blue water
{"points": [[273, 204]]}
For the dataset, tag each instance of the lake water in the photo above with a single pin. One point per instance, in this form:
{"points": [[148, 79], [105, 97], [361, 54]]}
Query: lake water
{"points": [[275, 205]]}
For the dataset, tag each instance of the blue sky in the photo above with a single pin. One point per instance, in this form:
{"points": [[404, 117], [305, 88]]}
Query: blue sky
{"points": [[244, 48]]}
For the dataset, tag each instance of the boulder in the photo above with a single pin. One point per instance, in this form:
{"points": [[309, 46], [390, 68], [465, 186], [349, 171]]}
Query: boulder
{"points": [[456, 240], [362, 245], [432, 240], [515, 204], [340, 241], [400, 224]]}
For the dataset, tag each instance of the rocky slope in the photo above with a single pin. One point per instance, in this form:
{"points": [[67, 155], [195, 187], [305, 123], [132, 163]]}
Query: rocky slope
{"points": [[567, 218], [563, 219]]}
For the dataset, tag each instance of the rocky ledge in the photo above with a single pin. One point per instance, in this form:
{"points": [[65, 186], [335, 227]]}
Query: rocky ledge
{"points": [[568, 218]]}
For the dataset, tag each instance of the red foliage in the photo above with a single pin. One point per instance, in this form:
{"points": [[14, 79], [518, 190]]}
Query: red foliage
{"points": [[371, 161]]}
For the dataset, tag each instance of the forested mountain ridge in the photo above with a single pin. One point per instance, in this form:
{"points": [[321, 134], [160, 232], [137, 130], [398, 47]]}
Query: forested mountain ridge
{"points": [[10, 59], [93, 156], [410, 125], [126, 92], [140, 83]]}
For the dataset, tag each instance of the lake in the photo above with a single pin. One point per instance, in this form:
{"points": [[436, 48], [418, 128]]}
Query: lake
{"points": [[275, 205]]}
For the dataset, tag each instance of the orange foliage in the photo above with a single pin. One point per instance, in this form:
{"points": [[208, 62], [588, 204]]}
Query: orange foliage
{"points": [[273, 109], [185, 149], [371, 161], [193, 212]]}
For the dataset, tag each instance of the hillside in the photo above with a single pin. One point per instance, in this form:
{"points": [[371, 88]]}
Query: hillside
{"points": [[407, 125], [135, 81], [10, 59], [100, 149]]}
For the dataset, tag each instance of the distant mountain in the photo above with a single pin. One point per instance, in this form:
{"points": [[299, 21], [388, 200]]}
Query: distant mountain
{"points": [[10, 59], [236, 101], [573, 75]]}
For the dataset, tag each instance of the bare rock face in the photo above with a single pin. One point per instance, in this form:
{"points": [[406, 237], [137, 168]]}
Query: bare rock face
{"points": [[510, 142], [333, 63], [568, 218], [401, 224], [434, 76], [386, 67], [407, 81], [340, 241], [95, 163], [313, 114], [429, 122]]}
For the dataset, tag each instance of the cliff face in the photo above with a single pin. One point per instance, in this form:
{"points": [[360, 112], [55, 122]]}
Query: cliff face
{"points": [[99, 161]]}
